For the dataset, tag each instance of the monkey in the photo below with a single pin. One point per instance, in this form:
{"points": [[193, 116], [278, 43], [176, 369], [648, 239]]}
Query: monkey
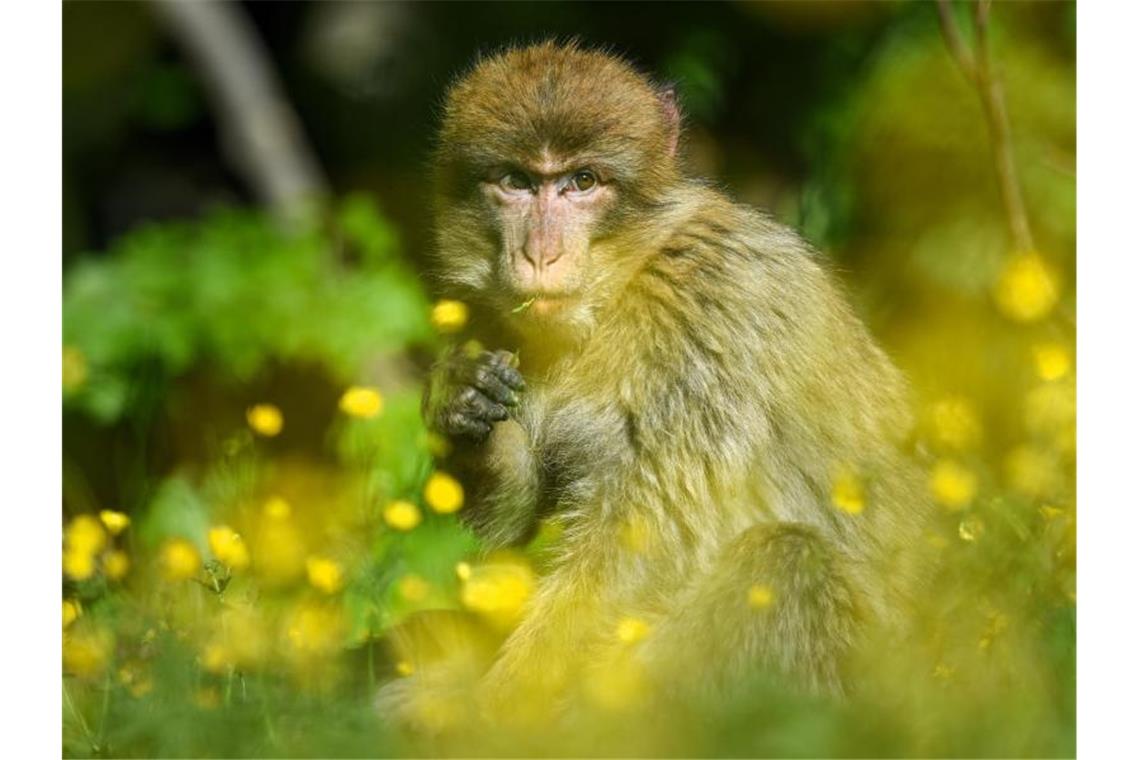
{"points": [[675, 379]]}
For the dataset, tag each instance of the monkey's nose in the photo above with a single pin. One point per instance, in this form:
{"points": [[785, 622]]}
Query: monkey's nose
{"points": [[541, 254]]}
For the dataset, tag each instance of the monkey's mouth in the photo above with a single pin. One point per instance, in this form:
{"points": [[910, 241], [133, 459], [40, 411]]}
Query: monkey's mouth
{"points": [[541, 303]]}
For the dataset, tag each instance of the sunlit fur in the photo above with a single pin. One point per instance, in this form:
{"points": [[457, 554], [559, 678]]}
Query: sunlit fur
{"points": [[684, 421]]}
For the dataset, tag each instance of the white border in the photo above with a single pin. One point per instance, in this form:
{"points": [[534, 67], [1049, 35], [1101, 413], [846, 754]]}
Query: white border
{"points": [[30, 304], [1108, 459]]}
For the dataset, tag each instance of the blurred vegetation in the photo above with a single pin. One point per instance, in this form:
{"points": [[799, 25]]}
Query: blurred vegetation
{"points": [[250, 501]]}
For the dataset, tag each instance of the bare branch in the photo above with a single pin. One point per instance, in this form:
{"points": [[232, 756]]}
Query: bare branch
{"points": [[261, 134], [978, 68], [958, 49]]}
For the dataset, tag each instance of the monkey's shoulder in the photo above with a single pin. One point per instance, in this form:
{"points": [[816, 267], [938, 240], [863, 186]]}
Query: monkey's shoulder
{"points": [[734, 265]]}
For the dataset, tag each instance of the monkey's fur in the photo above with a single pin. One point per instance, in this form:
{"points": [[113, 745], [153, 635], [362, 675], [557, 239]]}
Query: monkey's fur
{"points": [[688, 406]]}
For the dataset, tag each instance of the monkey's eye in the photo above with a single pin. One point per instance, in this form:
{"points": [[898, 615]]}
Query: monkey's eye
{"points": [[515, 181], [583, 180]]}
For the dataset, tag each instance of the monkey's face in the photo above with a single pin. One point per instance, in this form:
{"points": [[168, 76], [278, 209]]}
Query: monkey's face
{"points": [[546, 215], [549, 158]]}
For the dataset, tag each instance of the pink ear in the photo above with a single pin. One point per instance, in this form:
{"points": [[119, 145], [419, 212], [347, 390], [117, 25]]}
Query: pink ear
{"points": [[672, 112]]}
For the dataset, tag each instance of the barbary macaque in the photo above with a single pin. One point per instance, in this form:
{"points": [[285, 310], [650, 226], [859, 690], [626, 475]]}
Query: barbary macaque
{"points": [[675, 379]]}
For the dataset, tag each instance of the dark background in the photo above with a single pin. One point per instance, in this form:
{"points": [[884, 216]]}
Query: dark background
{"points": [[756, 79]]}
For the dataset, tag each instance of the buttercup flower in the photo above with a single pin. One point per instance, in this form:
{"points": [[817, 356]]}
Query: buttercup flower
{"points": [[449, 316], [114, 522], [228, 547], [179, 560], [116, 565], [362, 402], [443, 493], [325, 574], [78, 565], [265, 419], [402, 515], [952, 485], [85, 653], [71, 611], [85, 534], [1027, 289], [498, 591], [1052, 361], [83, 539]]}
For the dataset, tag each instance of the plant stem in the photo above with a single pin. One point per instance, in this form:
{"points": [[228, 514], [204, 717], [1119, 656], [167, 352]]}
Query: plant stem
{"points": [[977, 67]]}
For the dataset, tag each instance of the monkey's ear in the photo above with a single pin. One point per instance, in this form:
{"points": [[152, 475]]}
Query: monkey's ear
{"points": [[671, 110]]}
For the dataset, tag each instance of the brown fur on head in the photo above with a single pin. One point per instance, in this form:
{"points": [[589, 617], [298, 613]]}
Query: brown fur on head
{"points": [[545, 155]]}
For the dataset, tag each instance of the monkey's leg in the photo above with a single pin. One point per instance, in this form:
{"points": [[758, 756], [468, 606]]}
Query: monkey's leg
{"points": [[776, 601]]}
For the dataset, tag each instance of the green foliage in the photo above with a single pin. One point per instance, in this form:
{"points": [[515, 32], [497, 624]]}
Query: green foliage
{"points": [[234, 293]]}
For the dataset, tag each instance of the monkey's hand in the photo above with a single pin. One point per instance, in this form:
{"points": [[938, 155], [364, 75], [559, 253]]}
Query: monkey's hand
{"points": [[468, 394]]}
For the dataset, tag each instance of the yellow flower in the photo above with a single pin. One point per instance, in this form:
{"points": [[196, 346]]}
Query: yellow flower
{"points": [[449, 316], [443, 493], [362, 402], [85, 653], [760, 596], [463, 571], [405, 668], [1027, 288], [116, 565], [228, 546], [952, 485], [402, 515], [85, 534], [847, 491], [115, 522], [1052, 360], [413, 588], [83, 539], [74, 369], [325, 574], [498, 591], [78, 565], [179, 560], [631, 630], [265, 419], [71, 611], [955, 422]]}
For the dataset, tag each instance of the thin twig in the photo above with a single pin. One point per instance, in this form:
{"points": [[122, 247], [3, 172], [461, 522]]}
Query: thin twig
{"points": [[261, 134], [978, 69], [958, 49]]}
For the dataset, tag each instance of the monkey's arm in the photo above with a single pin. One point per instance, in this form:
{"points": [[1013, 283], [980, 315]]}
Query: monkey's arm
{"points": [[470, 400]]}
